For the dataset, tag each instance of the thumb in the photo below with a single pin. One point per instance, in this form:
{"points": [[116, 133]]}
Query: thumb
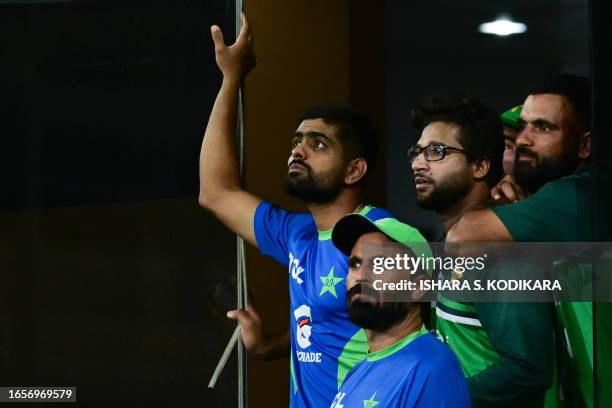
{"points": [[240, 315], [217, 37], [495, 193]]}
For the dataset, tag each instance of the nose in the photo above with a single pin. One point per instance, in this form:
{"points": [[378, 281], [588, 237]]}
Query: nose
{"points": [[525, 137], [419, 163], [298, 152]]}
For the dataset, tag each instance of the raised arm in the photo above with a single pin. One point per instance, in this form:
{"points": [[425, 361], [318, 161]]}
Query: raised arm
{"points": [[220, 189], [478, 226]]}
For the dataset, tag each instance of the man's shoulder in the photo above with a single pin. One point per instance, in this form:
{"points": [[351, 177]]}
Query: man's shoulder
{"points": [[428, 348], [574, 183], [376, 213], [271, 210]]}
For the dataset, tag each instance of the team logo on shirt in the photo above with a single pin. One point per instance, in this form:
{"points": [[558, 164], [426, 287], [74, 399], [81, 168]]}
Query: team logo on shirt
{"points": [[369, 403], [337, 402], [329, 283], [304, 330], [295, 269], [303, 319]]}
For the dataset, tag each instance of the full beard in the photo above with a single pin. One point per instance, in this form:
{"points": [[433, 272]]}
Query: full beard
{"points": [[318, 189], [532, 177], [375, 315], [445, 193]]}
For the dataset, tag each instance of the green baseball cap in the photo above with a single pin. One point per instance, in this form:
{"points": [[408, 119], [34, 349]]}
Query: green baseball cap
{"points": [[347, 231], [511, 116]]}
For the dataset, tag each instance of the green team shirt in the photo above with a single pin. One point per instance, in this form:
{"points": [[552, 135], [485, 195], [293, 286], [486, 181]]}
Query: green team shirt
{"points": [[561, 211], [505, 348]]}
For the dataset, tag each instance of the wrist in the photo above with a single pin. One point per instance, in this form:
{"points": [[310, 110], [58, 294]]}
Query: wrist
{"points": [[231, 82]]}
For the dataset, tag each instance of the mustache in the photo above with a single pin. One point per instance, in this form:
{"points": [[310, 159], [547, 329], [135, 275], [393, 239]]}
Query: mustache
{"points": [[364, 289], [525, 151], [423, 177], [300, 162]]}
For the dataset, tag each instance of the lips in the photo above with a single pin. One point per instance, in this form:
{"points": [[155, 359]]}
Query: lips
{"points": [[422, 182], [525, 157], [296, 167], [524, 154]]}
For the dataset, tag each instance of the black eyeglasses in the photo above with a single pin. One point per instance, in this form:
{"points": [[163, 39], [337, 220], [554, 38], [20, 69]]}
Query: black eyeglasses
{"points": [[432, 152]]}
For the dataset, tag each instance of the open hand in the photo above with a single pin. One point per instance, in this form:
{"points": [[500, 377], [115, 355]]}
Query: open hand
{"points": [[237, 60]]}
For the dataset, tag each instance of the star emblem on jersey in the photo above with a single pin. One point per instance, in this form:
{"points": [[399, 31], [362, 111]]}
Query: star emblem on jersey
{"points": [[370, 403], [329, 283]]}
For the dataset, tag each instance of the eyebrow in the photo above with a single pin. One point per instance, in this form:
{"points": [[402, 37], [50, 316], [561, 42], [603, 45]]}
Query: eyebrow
{"points": [[540, 121], [353, 260], [431, 142], [313, 134]]}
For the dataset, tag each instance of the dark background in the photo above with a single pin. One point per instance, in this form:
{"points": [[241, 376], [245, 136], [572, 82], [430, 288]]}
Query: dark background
{"points": [[109, 282]]}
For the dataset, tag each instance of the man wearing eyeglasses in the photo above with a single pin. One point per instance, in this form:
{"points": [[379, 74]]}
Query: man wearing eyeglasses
{"points": [[505, 349]]}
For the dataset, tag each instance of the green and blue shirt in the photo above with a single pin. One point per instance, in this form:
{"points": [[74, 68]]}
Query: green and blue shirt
{"points": [[417, 371], [325, 345]]}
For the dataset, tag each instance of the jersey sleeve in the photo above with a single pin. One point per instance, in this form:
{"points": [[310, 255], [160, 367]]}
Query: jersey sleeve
{"points": [[522, 334], [271, 225], [544, 215]]}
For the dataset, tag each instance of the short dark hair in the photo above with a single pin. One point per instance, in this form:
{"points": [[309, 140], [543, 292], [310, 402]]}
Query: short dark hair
{"points": [[355, 131], [575, 88], [481, 129]]}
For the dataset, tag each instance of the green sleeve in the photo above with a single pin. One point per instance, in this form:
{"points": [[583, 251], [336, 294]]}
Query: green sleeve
{"points": [[559, 211], [522, 333]]}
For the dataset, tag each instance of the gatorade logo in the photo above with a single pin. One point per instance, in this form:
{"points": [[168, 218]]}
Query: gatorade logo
{"points": [[304, 330]]}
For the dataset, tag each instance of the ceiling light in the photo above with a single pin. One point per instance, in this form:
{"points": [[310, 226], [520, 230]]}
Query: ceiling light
{"points": [[503, 26]]}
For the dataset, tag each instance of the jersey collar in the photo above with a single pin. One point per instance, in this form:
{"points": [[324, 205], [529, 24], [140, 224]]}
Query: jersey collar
{"points": [[386, 352]]}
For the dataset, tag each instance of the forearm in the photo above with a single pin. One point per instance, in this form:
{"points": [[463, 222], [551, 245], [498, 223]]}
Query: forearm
{"points": [[480, 225], [219, 167], [509, 382], [522, 335], [276, 346]]}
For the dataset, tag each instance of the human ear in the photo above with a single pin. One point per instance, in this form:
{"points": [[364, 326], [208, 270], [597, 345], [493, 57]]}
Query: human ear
{"points": [[584, 146], [355, 171]]}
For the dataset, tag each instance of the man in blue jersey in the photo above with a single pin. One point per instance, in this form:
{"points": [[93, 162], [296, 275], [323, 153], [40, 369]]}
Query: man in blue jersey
{"points": [[406, 366], [330, 157]]}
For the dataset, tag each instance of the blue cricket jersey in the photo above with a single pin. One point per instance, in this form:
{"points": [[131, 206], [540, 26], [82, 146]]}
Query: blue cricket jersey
{"points": [[418, 371], [325, 345]]}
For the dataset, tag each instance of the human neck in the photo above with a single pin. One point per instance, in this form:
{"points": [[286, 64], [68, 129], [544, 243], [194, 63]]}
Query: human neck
{"points": [[381, 340], [582, 166], [452, 214], [326, 215]]}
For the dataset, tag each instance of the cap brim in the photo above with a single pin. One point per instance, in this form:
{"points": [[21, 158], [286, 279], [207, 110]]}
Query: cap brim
{"points": [[348, 230]]}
